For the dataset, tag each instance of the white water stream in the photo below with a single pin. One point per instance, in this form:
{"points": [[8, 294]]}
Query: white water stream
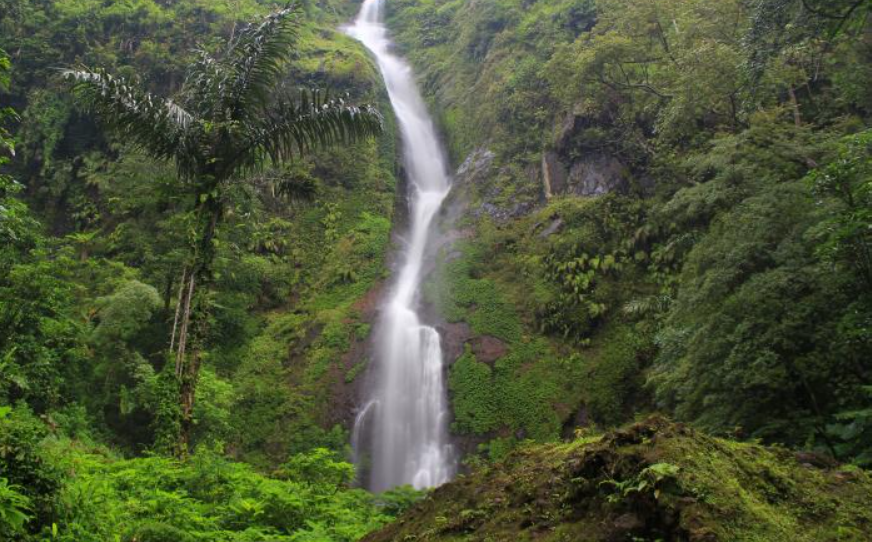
{"points": [[405, 418]]}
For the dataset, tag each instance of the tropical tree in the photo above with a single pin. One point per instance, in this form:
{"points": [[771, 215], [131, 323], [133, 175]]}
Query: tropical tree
{"points": [[231, 119]]}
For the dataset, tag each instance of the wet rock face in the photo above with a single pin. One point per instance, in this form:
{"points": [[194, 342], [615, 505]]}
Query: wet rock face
{"points": [[504, 188], [476, 167], [595, 174], [501, 214], [479, 174], [553, 174], [454, 336], [346, 397], [578, 164]]}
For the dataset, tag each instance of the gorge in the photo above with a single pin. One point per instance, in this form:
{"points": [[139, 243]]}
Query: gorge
{"points": [[435, 270]]}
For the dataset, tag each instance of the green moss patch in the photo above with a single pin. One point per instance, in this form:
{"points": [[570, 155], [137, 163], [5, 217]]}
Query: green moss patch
{"points": [[654, 480]]}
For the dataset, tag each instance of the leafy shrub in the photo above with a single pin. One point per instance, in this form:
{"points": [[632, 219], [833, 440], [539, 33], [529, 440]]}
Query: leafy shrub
{"points": [[158, 532], [27, 469], [14, 508]]}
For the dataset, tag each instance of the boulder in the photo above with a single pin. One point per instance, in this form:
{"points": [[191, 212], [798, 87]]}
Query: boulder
{"points": [[488, 349], [597, 174]]}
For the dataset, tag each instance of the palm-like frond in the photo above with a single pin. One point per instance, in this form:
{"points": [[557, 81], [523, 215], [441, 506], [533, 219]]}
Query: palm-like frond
{"points": [[256, 59], [231, 122], [314, 120], [206, 81], [159, 126]]}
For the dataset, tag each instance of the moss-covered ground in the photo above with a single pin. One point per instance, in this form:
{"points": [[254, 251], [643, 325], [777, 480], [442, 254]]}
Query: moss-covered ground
{"points": [[653, 480]]}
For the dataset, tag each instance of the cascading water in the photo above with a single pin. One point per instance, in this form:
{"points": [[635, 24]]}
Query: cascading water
{"points": [[405, 417]]}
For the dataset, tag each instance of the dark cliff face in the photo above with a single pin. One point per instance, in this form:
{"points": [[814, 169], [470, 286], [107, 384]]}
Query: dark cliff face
{"points": [[654, 480], [567, 170], [596, 173]]}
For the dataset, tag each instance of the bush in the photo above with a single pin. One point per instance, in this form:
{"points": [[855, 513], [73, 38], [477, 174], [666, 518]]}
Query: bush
{"points": [[25, 465]]}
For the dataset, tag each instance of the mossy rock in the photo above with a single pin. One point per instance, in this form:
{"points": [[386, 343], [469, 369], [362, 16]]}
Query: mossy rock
{"points": [[654, 480]]}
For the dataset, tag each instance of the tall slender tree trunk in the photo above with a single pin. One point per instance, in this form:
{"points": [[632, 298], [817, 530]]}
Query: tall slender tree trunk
{"points": [[190, 322]]}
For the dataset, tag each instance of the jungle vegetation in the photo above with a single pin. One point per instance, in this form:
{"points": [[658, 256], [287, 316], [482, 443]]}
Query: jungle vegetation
{"points": [[720, 273], [720, 277]]}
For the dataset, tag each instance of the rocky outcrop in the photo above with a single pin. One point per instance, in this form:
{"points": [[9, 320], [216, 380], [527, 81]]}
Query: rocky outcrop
{"points": [[488, 349], [578, 162], [553, 175], [502, 214], [476, 167], [478, 175], [454, 337], [595, 174], [555, 226]]}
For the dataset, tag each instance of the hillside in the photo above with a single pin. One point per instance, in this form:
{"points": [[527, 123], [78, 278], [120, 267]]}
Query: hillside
{"points": [[653, 480], [258, 265], [113, 232], [653, 211], [95, 237]]}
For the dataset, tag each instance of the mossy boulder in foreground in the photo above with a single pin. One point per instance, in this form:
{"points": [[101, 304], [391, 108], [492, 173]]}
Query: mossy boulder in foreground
{"points": [[654, 480]]}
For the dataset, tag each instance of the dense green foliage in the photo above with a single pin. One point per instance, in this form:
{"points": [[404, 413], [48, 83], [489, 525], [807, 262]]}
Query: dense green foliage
{"points": [[79, 491], [660, 206], [723, 277], [94, 236], [230, 122]]}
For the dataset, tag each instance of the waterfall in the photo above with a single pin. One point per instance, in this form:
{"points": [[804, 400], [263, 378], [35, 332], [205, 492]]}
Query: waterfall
{"points": [[405, 417]]}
